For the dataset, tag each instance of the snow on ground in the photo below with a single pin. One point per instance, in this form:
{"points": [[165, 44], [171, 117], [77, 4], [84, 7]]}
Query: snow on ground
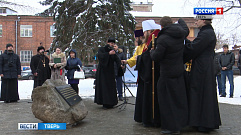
{"points": [[236, 100], [86, 90]]}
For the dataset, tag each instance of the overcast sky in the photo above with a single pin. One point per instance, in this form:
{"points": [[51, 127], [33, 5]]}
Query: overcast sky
{"points": [[176, 8]]}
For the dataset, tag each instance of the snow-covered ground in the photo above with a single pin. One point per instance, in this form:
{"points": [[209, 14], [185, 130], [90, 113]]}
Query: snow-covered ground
{"points": [[86, 90]]}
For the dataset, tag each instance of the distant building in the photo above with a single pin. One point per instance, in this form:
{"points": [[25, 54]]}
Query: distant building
{"points": [[26, 33], [7, 11], [20, 27], [142, 6], [189, 20]]}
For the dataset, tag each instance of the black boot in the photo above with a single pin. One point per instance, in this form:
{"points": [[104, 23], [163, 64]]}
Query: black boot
{"points": [[170, 132], [108, 106], [8, 101]]}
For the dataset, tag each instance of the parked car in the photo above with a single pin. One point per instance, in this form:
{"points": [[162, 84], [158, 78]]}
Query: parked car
{"points": [[90, 71], [27, 75], [236, 70]]}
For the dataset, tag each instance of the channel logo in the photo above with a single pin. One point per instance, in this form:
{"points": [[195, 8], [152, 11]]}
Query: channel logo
{"points": [[208, 11], [41, 126]]}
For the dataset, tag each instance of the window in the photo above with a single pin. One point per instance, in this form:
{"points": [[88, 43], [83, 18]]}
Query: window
{"points": [[25, 30], [25, 56], [2, 10], [1, 30], [52, 31]]}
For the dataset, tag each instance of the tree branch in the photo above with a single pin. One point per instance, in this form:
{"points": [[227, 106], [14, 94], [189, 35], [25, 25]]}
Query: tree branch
{"points": [[232, 8]]}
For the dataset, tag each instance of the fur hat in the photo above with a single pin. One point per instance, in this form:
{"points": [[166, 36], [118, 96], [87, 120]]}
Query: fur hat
{"points": [[111, 39], [40, 48], [8, 45]]}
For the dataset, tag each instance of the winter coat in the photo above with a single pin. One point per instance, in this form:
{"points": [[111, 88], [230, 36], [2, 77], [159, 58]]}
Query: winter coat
{"points": [[169, 50], [202, 95], [105, 88], [37, 66], [122, 56], [73, 65], [217, 68], [239, 61], [227, 60], [171, 88], [55, 72], [10, 65]]}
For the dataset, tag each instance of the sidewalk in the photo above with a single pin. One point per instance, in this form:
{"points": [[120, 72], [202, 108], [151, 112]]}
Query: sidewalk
{"points": [[100, 121]]}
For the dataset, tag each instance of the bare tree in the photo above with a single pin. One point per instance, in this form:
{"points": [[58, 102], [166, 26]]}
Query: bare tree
{"points": [[220, 40]]}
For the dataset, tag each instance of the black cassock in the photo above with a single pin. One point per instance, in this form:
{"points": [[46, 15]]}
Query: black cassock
{"points": [[203, 103], [40, 64], [9, 87], [143, 107], [171, 85], [105, 89]]}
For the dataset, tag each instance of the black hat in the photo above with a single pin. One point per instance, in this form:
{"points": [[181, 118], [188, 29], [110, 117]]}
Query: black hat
{"points": [[138, 33], [225, 46], [8, 45], [207, 19], [40, 48], [111, 39]]}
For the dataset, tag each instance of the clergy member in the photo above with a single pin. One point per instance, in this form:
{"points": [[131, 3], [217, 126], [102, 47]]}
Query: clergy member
{"points": [[203, 102], [144, 108], [105, 89], [10, 71], [40, 67], [171, 89], [138, 51]]}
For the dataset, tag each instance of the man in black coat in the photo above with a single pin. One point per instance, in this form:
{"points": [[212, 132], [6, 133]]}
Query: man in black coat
{"points": [[146, 112], [171, 89], [239, 62], [202, 96], [10, 70], [217, 72], [105, 88], [40, 67]]}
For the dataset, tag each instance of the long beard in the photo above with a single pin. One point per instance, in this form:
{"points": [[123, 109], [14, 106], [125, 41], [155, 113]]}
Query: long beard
{"points": [[146, 37]]}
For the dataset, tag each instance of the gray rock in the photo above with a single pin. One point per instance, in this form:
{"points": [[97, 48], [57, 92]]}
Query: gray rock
{"points": [[48, 106]]}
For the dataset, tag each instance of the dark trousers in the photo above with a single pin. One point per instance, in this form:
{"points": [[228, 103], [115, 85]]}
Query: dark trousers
{"points": [[119, 85], [75, 87], [229, 74], [219, 84]]}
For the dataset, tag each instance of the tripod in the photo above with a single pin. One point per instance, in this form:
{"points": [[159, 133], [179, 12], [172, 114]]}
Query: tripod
{"points": [[123, 105]]}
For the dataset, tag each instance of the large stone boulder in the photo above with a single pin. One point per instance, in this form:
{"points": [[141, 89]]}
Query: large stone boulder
{"points": [[49, 106]]}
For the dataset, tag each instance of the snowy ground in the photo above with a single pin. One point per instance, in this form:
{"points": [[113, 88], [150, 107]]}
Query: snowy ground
{"points": [[86, 90]]}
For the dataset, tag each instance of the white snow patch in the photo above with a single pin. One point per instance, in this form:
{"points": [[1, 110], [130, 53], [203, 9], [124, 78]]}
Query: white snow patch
{"points": [[86, 90], [236, 100]]}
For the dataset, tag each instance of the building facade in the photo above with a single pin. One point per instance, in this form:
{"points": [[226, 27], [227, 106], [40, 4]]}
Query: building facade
{"points": [[189, 20], [26, 33]]}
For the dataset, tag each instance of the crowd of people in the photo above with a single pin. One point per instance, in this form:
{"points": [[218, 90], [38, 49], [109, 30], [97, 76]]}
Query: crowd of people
{"points": [[42, 68], [180, 98], [171, 99]]}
